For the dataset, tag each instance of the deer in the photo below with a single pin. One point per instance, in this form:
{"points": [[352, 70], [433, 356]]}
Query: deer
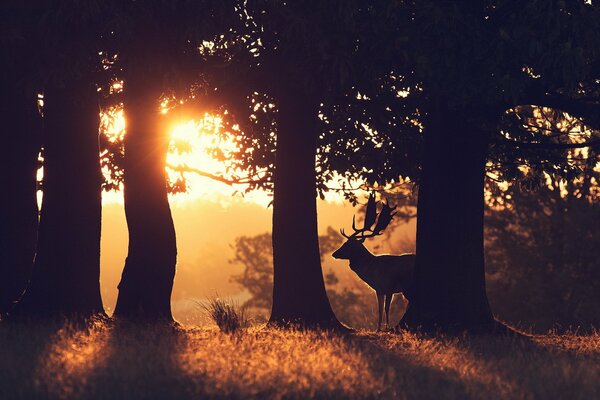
{"points": [[386, 274]]}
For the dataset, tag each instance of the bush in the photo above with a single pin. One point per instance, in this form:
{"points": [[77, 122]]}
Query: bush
{"points": [[229, 317]]}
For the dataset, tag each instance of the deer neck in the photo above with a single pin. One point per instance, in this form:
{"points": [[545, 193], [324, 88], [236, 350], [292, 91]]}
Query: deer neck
{"points": [[361, 259]]}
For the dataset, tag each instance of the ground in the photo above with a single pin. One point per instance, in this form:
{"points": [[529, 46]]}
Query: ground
{"points": [[108, 361]]}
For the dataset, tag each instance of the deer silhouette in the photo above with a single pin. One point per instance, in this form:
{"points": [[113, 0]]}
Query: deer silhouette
{"points": [[386, 274]]}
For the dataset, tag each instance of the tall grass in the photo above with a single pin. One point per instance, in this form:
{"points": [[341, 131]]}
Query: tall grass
{"points": [[229, 317], [105, 361]]}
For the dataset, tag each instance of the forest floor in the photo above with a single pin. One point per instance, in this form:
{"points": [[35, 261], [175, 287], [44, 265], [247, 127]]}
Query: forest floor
{"points": [[104, 361]]}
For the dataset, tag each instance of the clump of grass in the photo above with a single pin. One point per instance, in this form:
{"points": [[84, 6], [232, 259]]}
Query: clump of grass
{"points": [[229, 317]]}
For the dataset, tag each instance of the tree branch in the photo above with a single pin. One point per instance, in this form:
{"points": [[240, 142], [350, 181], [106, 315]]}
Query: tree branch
{"points": [[222, 179], [551, 146], [588, 111]]}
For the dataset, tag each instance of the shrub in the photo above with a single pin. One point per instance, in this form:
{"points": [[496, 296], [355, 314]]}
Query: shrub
{"points": [[229, 317]]}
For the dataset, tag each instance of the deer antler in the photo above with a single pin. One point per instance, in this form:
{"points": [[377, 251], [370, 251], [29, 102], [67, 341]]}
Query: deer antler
{"points": [[383, 219]]}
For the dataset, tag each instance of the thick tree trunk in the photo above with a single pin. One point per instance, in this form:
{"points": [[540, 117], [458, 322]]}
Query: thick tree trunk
{"points": [[147, 279], [66, 273], [18, 205], [299, 295], [449, 291]]}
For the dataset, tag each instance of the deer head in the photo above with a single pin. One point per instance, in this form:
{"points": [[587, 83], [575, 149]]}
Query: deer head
{"points": [[375, 224]]}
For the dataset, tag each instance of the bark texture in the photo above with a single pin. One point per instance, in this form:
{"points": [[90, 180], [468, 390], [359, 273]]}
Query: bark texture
{"points": [[450, 289], [147, 279]]}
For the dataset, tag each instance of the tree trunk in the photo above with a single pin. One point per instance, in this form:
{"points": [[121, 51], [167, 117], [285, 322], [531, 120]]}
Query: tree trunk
{"points": [[18, 204], [449, 291], [299, 295], [147, 279], [66, 272]]}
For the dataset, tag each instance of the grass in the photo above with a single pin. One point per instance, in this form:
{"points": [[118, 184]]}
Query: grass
{"points": [[109, 361], [227, 316]]}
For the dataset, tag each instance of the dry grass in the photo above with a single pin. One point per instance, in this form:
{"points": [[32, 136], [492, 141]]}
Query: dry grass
{"points": [[123, 362], [229, 317]]}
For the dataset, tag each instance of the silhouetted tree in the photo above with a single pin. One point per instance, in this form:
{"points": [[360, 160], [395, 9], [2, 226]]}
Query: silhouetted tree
{"points": [[21, 125], [147, 280], [18, 207], [476, 63], [292, 63], [157, 48], [66, 273]]}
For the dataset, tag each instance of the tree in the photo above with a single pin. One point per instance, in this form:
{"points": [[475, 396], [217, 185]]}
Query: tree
{"points": [[480, 63], [470, 74], [156, 47], [147, 280], [293, 63], [65, 275], [18, 208], [19, 152]]}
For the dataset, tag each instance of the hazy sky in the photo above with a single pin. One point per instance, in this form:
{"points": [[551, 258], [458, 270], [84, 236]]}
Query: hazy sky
{"points": [[206, 229]]}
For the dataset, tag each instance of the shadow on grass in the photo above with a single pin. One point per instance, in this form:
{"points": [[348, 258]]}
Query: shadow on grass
{"points": [[485, 366], [418, 368], [21, 348], [116, 360], [141, 361]]}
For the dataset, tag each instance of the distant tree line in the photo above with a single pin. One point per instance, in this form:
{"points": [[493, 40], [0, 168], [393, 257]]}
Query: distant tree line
{"points": [[449, 95]]}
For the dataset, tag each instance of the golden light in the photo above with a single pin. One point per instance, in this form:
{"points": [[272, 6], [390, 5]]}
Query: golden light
{"points": [[190, 148], [70, 359], [192, 143], [198, 150], [112, 123]]}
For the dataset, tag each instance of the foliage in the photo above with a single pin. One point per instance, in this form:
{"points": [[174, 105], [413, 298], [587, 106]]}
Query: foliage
{"points": [[255, 254], [228, 317], [541, 252], [525, 74], [386, 67], [277, 49]]}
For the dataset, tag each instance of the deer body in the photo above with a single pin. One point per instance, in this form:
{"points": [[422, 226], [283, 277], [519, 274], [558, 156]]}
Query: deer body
{"points": [[386, 274]]}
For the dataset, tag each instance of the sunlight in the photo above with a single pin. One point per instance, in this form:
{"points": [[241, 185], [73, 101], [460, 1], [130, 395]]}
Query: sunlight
{"points": [[112, 123], [198, 153], [302, 362], [196, 150], [67, 363]]}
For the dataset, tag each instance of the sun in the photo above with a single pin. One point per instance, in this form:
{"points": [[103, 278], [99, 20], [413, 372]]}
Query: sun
{"points": [[192, 144]]}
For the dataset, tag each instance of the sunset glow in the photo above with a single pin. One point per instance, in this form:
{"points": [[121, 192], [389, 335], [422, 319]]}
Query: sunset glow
{"points": [[196, 149]]}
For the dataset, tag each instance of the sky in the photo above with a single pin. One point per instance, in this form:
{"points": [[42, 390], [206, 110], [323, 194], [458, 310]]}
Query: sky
{"points": [[206, 227]]}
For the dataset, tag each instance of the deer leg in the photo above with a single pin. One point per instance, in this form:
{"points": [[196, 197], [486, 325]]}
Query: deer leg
{"points": [[388, 302], [379, 309]]}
